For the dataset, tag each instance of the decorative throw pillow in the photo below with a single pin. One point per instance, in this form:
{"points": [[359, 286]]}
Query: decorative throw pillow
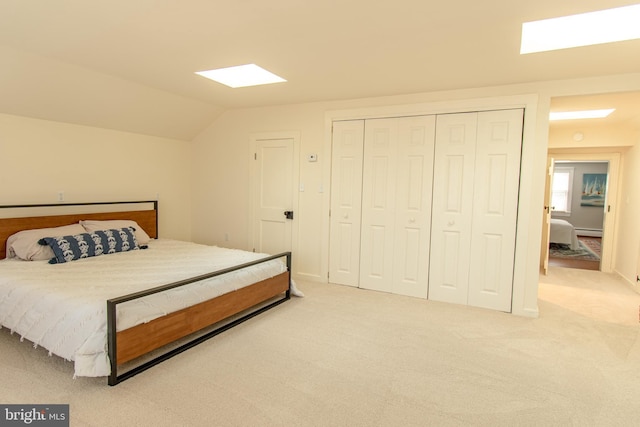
{"points": [[24, 244], [78, 246]]}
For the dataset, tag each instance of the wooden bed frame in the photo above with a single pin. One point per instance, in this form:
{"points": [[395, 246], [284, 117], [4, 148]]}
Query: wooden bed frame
{"points": [[131, 344]]}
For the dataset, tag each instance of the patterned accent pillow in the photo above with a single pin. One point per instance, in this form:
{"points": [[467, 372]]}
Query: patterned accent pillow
{"points": [[70, 248]]}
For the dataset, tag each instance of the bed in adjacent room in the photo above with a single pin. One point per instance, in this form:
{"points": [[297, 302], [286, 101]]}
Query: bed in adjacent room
{"points": [[564, 233], [104, 310]]}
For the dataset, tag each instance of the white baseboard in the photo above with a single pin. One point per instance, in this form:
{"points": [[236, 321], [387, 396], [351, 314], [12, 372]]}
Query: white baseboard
{"points": [[592, 232], [633, 284], [308, 277]]}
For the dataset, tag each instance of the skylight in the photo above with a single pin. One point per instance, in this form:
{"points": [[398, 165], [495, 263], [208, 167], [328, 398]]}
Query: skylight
{"points": [[585, 114], [584, 29], [242, 76]]}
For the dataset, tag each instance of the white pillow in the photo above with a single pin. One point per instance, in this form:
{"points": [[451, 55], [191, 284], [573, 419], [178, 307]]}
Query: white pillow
{"points": [[92, 225], [24, 244]]}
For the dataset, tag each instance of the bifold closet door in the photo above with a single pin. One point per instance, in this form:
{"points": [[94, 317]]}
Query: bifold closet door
{"points": [[495, 209], [396, 205], [346, 199], [412, 240], [475, 203], [378, 203], [455, 150]]}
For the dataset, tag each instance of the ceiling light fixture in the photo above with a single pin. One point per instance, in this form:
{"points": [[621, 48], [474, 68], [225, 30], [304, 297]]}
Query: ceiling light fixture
{"points": [[242, 76], [585, 114], [605, 26]]}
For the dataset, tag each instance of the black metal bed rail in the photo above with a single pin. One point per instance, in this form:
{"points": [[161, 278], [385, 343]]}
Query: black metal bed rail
{"points": [[114, 378]]}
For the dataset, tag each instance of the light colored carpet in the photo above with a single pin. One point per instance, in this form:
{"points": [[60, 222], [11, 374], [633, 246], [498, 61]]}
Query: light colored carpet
{"points": [[349, 357]]}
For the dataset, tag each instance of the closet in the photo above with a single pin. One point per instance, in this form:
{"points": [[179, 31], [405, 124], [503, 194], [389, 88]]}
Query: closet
{"points": [[426, 206]]}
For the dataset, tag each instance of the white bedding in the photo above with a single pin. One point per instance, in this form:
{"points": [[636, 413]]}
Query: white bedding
{"points": [[563, 232], [62, 307]]}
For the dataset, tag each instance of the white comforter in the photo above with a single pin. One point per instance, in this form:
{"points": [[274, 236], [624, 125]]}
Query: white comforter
{"points": [[562, 231], [62, 307]]}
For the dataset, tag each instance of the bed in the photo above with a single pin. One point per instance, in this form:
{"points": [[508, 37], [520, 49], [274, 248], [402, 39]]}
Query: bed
{"points": [[109, 313], [563, 232]]}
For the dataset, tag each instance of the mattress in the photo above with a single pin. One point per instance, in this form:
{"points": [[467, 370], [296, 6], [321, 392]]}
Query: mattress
{"points": [[62, 307]]}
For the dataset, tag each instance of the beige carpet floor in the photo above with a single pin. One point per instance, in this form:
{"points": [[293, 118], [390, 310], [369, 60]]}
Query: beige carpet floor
{"points": [[349, 357]]}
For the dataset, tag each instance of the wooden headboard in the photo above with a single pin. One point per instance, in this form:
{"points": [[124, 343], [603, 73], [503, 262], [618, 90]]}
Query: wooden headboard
{"points": [[146, 218]]}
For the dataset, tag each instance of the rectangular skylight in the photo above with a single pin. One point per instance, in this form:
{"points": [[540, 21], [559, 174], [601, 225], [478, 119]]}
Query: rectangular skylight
{"points": [[585, 114], [584, 29], [242, 76]]}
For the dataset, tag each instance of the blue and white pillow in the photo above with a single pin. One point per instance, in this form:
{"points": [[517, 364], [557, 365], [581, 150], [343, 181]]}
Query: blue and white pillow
{"points": [[85, 245]]}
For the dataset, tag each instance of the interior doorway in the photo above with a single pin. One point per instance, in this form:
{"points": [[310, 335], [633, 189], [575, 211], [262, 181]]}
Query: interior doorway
{"points": [[577, 208], [588, 164]]}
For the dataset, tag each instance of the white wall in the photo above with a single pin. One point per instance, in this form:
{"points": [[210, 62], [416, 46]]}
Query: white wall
{"points": [[221, 176], [628, 242], [593, 137], [204, 185], [221, 188], [624, 141], [39, 159]]}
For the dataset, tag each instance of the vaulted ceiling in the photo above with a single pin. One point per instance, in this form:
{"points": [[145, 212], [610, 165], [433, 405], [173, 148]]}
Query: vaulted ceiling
{"points": [[130, 65]]}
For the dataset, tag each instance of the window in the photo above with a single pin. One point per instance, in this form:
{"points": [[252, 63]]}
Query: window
{"points": [[561, 191]]}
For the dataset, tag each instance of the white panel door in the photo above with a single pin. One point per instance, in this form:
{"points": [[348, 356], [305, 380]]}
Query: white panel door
{"points": [[273, 195], [346, 199], [378, 204], [452, 207], [495, 208], [416, 137]]}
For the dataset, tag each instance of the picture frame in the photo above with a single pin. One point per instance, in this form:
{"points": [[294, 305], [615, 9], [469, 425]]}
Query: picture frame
{"points": [[594, 187]]}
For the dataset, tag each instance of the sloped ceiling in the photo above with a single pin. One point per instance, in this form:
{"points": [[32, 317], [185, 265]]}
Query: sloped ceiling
{"points": [[130, 65]]}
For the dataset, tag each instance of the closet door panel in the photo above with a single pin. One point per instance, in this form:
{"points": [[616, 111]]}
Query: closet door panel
{"points": [[378, 203], [452, 207], [346, 199], [416, 137], [497, 170]]}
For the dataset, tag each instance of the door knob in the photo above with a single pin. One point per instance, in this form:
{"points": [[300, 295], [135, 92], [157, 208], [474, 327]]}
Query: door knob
{"points": [[288, 214]]}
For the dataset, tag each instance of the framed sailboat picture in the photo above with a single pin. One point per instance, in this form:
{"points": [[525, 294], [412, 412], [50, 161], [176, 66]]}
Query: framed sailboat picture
{"points": [[594, 186]]}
